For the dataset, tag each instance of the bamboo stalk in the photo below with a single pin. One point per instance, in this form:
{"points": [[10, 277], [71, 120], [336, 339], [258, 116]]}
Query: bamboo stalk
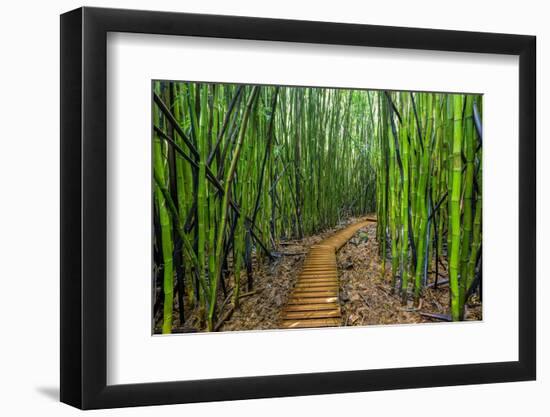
{"points": [[454, 215]]}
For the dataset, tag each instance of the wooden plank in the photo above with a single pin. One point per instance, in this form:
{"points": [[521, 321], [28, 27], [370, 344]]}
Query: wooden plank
{"points": [[326, 281], [301, 324], [312, 307], [316, 285], [321, 257], [334, 277], [330, 268], [316, 300], [325, 287], [313, 293], [319, 291], [321, 314], [317, 278], [317, 274], [319, 265]]}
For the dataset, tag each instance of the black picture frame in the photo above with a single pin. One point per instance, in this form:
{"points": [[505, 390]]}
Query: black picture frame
{"points": [[84, 207]]}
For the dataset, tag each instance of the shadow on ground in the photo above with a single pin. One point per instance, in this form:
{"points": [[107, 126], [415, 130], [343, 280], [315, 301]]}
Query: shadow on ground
{"points": [[49, 392]]}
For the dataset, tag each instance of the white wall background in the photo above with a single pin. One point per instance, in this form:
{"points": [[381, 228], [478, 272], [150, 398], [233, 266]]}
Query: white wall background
{"points": [[29, 208]]}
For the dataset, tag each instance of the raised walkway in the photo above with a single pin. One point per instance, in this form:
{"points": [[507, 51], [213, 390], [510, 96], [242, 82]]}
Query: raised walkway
{"points": [[314, 301]]}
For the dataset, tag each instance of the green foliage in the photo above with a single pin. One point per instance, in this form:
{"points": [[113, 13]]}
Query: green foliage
{"points": [[253, 166], [426, 137]]}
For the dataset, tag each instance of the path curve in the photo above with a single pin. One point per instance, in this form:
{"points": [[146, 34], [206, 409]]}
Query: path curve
{"points": [[314, 302]]}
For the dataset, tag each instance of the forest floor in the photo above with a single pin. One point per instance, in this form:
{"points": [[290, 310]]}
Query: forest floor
{"points": [[365, 293]]}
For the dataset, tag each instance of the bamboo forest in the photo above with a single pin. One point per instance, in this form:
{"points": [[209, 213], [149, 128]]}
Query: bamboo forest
{"points": [[278, 207]]}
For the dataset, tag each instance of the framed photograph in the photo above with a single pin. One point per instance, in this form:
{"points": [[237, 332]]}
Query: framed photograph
{"points": [[256, 208]]}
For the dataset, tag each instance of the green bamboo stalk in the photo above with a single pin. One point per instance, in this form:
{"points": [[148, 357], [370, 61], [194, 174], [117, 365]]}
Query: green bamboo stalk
{"points": [[467, 220], [421, 223], [454, 215], [393, 223], [166, 234], [200, 134], [476, 239], [405, 218]]}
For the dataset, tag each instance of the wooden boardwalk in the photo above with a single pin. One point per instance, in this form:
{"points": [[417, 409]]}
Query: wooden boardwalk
{"points": [[314, 301]]}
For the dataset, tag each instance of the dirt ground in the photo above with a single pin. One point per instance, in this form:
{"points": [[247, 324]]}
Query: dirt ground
{"points": [[365, 293]]}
